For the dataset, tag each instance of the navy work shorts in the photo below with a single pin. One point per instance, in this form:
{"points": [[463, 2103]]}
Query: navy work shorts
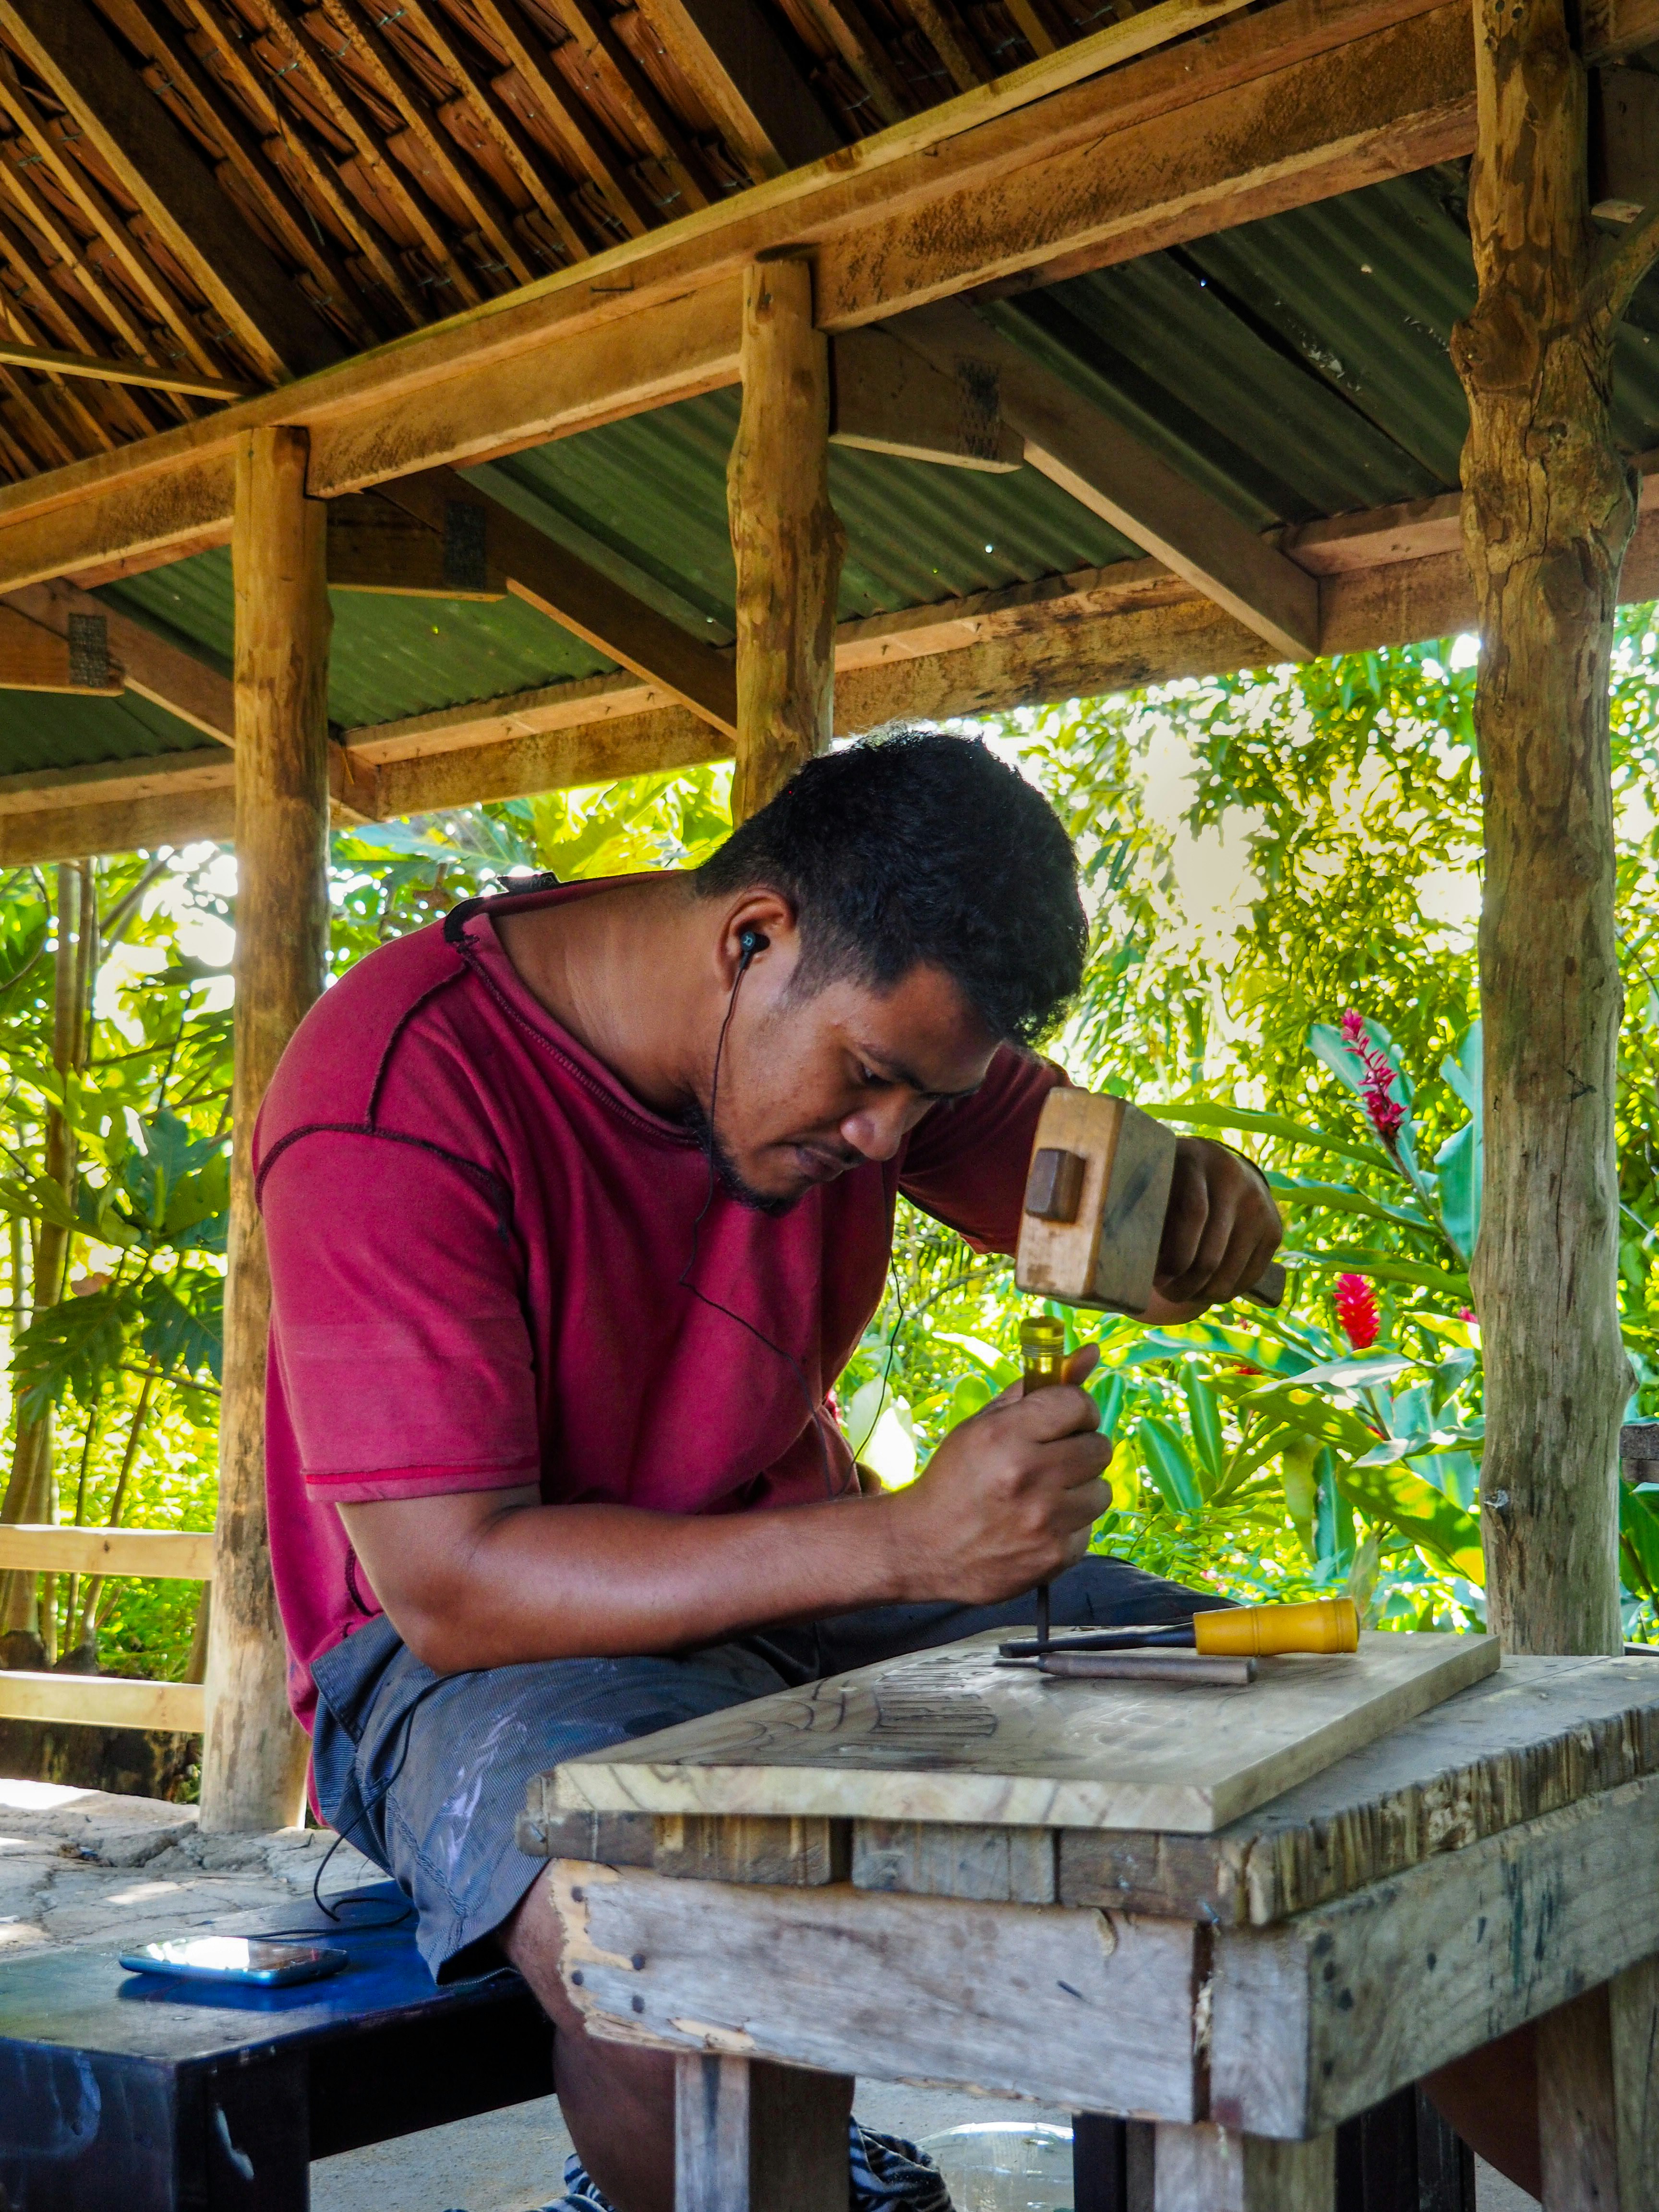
{"points": [[428, 1773]]}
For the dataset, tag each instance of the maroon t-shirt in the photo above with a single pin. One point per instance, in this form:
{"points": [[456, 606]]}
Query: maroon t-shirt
{"points": [[476, 1237]]}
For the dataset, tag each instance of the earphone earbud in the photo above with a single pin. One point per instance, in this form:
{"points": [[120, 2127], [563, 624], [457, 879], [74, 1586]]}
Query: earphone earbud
{"points": [[751, 942]]}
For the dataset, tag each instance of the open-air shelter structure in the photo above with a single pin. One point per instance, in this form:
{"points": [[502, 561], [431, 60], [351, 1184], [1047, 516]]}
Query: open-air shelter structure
{"points": [[406, 407]]}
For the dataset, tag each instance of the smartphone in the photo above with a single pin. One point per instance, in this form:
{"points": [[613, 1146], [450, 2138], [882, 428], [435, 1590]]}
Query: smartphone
{"points": [[236, 1959]]}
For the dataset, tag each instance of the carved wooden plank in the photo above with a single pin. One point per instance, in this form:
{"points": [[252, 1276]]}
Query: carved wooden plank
{"points": [[950, 1736], [1090, 2010], [1540, 1735], [1308, 2022], [752, 2137]]}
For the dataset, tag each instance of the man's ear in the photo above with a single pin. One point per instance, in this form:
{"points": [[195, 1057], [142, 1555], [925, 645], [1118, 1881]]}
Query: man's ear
{"points": [[758, 927]]}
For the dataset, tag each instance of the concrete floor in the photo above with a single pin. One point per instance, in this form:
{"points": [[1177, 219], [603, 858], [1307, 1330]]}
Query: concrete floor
{"points": [[513, 2161]]}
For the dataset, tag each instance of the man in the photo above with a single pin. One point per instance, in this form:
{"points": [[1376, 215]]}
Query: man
{"points": [[577, 1206]]}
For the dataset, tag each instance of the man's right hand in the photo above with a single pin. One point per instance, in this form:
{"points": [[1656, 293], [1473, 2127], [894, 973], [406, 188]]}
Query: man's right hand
{"points": [[495, 1578], [1009, 1498]]}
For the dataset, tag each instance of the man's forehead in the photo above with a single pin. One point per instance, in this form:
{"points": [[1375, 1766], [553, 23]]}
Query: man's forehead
{"points": [[922, 1032]]}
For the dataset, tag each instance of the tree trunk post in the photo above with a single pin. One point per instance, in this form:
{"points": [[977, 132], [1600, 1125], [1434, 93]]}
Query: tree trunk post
{"points": [[1548, 507], [786, 537], [254, 1759]]}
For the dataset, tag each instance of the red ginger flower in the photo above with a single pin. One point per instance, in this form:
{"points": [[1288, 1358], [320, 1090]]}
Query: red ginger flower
{"points": [[1357, 1314], [1382, 1108]]}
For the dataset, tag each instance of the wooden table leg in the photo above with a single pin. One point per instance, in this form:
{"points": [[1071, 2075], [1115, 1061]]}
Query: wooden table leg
{"points": [[749, 2137], [1211, 2169], [1598, 2097], [1111, 2163]]}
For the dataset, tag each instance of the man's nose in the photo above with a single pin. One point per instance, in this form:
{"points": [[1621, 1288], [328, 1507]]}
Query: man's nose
{"points": [[878, 1131]]}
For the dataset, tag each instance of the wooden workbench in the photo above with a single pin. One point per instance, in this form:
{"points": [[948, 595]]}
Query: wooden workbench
{"points": [[1490, 1863]]}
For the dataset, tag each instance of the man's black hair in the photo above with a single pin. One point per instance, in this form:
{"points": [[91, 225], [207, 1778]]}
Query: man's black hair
{"points": [[916, 848]]}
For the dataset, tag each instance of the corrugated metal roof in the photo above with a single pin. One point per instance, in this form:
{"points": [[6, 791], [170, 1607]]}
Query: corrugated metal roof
{"points": [[1294, 367], [646, 500], [388, 657], [61, 729]]}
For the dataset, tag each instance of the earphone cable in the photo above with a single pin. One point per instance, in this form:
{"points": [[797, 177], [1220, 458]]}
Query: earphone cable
{"points": [[815, 1411]]}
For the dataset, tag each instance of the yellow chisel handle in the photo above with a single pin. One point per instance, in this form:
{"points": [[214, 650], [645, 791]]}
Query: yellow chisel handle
{"points": [[1323, 1624]]}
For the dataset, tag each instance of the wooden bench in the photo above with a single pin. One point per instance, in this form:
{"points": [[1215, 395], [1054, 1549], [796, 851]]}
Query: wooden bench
{"points": [[130, 2094]]}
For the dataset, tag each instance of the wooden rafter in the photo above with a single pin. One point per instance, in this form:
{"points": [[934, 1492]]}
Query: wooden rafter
{"points": [[151, 665], [67, 44], [561, 585], [1389, 577], [1121, 479], [215, 112], [143, 374], [657, 318], [128, 268], [736, 58]]}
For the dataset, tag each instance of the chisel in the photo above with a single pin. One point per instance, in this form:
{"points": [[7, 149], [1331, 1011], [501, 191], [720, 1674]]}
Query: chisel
{"points": [[1244, 1631]]}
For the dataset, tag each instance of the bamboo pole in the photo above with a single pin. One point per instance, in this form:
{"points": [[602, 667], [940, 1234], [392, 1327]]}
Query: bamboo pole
{"points": [[1548, 509], [254, 1759], [787, 539]]}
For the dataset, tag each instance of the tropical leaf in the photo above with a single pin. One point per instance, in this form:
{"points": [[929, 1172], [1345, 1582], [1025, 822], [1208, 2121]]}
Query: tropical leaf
{"points": [[183, 1322], [1421, 1513], [1163, 1453], [70, 1348], [1201, 1114]]}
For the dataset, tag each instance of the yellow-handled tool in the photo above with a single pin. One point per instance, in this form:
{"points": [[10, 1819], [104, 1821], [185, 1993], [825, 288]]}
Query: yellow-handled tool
{"points": [[1252, 1631], [1244, 1631]]}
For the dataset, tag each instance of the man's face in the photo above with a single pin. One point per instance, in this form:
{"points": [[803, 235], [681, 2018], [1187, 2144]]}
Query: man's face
{"points": [[814, 1082]]}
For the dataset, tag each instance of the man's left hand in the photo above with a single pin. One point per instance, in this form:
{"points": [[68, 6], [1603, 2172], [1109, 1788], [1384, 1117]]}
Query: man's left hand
{"points": [[1219, 1233]]}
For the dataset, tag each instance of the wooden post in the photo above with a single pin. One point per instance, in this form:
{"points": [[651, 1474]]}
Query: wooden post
{"points": [[751, 2137], [1598, 2097], [1211, 2169], [254, 1761], [1548, 508], [786, 537]]}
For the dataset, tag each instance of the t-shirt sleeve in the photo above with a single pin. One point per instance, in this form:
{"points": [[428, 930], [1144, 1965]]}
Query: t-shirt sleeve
{"points": [[397, 1319], [966, 1163]]}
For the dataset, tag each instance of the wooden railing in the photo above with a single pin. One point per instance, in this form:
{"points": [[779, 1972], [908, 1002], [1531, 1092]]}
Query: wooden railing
{"points": [[104, 1700]]}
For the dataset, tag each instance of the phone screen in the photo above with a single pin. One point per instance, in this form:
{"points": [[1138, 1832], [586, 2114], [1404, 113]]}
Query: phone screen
{"points": [[235, 1958]]}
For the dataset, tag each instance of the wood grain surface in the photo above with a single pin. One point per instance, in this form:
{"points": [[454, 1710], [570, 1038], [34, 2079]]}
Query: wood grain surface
{"points": [[1326, 2015], [948, 1736], [1091, 2010]]}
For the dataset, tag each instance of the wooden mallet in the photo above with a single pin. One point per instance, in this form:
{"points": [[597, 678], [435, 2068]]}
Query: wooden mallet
{"points": [[1095, 1203]]}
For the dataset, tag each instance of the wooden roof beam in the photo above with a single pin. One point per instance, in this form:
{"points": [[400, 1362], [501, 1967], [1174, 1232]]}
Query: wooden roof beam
{"points": [[68, 45], [889, 397], [1392, 577], [563, 586], [1083, 450], [1302, 99], [151, 665]]}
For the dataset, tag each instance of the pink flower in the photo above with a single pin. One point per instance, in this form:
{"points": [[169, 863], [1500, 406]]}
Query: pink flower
{"points": [[1382, 1110], [1468, 1313], [1357, 1314]]}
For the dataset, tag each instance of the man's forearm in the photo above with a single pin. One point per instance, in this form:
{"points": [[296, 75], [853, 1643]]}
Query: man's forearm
{"points": [[520, 1581]]}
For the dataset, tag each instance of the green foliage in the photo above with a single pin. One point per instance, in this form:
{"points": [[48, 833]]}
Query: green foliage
{"points": [[1259, 855]]}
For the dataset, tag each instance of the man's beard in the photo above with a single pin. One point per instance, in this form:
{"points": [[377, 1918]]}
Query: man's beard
{"points": [[726, 1168]]}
